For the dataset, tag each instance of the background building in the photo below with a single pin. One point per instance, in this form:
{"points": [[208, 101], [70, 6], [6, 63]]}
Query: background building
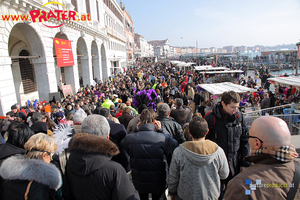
{"points": [[161, 48], [129, 35], [143, 48], [114, 23]]}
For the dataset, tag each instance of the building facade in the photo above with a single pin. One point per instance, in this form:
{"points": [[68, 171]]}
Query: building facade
{"points": [[114, 24], [143, 47], [161, 48], [27, 51], [128, 24]]}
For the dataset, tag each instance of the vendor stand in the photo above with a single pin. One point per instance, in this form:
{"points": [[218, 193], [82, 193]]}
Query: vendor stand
{"points": [[215, 90]]}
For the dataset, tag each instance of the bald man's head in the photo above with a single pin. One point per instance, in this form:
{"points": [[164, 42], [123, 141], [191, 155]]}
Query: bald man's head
{"points": [[272, 131]]}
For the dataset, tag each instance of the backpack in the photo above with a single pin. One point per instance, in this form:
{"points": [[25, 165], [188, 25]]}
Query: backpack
{"points": [[211, 128]]}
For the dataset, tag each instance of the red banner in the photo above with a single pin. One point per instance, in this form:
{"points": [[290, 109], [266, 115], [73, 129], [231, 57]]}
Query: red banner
{"points": [[64, 54]]}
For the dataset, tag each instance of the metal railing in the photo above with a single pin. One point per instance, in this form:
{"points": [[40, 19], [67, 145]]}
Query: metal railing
{"points": [[290, 113]]}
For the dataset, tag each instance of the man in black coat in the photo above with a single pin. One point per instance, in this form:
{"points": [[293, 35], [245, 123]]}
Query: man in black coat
{"points": [[148, 145], [181, 114], [116, 135], [227, 128], [18, 113], [163, 111], [90, 172]]}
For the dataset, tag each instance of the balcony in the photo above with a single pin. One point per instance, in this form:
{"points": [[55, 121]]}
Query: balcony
{"points": [[114, 33]]}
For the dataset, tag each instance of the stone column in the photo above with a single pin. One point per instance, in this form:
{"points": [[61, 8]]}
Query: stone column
{"points": [[7, 86]]}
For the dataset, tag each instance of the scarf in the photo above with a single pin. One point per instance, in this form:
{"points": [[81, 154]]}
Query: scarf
{"points": [[281, 153]]}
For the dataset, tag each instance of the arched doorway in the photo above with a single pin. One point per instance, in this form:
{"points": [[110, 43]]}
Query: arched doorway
{"points": [[103, 63], [95, 61], [27, 73], [28, 64], [83, 62]]}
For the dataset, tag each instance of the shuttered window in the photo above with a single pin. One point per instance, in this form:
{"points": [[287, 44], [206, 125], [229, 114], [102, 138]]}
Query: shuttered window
{"points": [[27, 73], [74, 3], [98, 16], [87, 4]]}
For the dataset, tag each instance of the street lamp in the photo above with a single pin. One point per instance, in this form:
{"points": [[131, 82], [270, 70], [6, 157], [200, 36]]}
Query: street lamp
{"points": [[297, 63]]}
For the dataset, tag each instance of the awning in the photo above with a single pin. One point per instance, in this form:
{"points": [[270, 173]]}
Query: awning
{"points": [[219, 88], [209, 68], [291, 80], [224, 72]]}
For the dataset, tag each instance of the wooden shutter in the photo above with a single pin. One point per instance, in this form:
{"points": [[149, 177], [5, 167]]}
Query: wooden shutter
{"points": [[27, 73], [87, 4], [74, 3]]}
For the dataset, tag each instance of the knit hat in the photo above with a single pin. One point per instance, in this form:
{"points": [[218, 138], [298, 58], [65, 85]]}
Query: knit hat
{"points": [[59, 114], [14, 107]]}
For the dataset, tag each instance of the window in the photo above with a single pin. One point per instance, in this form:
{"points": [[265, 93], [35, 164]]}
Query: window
{"points": [[98, 16], [74, 3], [27, 73], [87, 4]]}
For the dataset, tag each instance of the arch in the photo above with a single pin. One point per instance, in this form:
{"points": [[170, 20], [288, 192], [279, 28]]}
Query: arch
{"points": [[95, 61], [83, 62], [103, 63], [25, 41]]}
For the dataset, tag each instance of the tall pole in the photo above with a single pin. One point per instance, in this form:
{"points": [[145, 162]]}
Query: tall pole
{"points": [[297, 63], [197, 52]]}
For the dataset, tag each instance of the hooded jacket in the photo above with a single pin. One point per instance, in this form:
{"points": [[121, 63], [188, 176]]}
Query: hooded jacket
{"points": [[125, 118], [17, 172], [196, 170], [148, 150], [182, 115], [229, 132], [90, 173]]}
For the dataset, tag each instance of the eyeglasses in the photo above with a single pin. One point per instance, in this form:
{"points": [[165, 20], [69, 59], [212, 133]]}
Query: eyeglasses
{"points": [[249, 136], [49, 153]]}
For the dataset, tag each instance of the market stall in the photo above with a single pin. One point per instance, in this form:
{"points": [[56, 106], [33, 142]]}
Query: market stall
{"points": [[291, 80], [214, 90], [209, 68], [219, 88]]}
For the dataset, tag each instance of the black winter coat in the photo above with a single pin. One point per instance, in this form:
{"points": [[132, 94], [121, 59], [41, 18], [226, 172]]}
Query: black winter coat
{"points": [[172, 127], [229, 132], [148, 150], [7, 150], [116, 135], [17, 172], [91, 174]]}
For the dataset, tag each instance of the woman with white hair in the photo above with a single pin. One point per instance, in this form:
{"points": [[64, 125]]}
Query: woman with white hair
{"points": [[31, 176]]}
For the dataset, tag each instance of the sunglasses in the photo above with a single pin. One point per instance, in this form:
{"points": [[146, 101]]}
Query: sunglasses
{"points": [[49, 153], [249, 136]]}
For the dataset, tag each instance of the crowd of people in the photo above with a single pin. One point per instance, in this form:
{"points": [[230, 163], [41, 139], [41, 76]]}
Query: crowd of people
{"points": [[139, 133]]}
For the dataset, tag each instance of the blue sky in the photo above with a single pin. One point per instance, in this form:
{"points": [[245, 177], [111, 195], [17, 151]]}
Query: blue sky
{"points": [[217, 23]]}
